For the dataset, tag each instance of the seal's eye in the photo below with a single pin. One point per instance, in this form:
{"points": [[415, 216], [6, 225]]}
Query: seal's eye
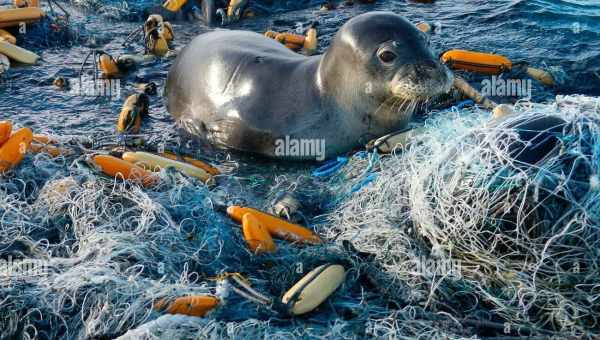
{"points": [[387, 56]]}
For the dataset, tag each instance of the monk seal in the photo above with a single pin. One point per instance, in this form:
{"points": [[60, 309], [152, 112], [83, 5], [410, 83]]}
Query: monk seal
{"points": [[243, 91]]}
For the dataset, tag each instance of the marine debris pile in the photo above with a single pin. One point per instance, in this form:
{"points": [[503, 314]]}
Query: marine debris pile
{"points": [[468, 228], [456, 225], [448, 238]]}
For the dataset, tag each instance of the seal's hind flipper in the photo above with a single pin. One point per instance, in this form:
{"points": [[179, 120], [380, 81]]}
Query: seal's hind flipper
{"points": [[235, 134]]}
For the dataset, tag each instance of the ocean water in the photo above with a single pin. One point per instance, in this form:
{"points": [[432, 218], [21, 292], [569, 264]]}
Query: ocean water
{"points": [[560, 35]]}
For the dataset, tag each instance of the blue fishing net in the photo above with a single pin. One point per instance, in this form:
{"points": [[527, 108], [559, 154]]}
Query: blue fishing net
{"points": [[103, 252]]}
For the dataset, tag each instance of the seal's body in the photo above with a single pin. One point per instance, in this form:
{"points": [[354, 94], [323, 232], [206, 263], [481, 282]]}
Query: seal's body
{"points": [[243, 91]]}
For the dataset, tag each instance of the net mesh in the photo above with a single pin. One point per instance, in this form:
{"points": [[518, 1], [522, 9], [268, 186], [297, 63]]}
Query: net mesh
{"points": [[449, 238]]}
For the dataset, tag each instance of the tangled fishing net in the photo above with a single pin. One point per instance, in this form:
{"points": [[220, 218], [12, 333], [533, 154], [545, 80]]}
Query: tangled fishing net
{"points": [[448, 239], [458, 226], [121, 9]]}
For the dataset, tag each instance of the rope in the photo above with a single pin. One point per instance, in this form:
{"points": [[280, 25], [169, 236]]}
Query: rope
{"points": [[330, 167]]}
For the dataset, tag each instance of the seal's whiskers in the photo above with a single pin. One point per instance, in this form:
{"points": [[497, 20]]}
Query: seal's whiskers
{"points": [[385, 104]]}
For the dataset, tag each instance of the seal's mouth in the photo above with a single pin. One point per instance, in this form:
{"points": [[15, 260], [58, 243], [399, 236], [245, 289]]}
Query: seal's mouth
{"points": [[421, 82], [412, 89]]}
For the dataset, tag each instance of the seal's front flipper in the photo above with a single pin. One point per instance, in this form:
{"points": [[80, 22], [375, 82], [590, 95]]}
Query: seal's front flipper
{"points": [[235, 134]]}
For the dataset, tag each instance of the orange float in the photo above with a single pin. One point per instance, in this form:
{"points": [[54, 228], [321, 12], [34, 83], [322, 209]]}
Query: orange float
{"points": [[293, 47], [198, 305], [113, 166], [5, 131], [276, 226], [16, 16], [256, 235], [485, 63], [108, 66], [14, 149], [27, 3], [290, 38]]}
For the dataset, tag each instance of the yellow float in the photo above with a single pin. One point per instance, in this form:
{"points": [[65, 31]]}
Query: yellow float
{"points": [[155, 162], [200, 164], [17, 53], [6, 36], [174, 5], [157, 35], [314, 288]]}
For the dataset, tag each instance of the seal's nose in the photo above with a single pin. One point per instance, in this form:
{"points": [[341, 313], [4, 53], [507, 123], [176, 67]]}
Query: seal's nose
{"points": [[424, 70], [418, 72]]}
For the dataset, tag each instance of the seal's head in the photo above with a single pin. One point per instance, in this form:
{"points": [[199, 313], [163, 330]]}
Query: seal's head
{"points": [[388, 60]]}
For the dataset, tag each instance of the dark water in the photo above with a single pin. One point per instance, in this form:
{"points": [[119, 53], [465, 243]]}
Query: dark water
{"points": [[563, 36]]}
